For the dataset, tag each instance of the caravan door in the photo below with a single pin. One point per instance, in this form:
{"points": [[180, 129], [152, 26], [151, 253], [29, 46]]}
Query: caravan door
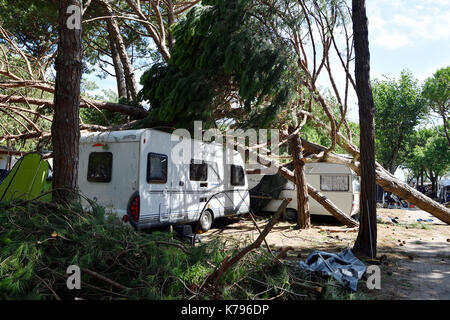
{"points": [[156, 202]]}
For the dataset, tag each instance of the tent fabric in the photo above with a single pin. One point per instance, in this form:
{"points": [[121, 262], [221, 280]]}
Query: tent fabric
{"points": [[27, 179], [344, 266], [270, 185]]}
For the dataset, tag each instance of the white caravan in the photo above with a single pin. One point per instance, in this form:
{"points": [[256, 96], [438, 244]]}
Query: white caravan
{"points": [[336, 181], [132, 173], [7, 159]]}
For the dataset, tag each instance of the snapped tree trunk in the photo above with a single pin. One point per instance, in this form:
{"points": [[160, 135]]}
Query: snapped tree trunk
{"points": [[65, 126], [303, 218], [367, 236]]}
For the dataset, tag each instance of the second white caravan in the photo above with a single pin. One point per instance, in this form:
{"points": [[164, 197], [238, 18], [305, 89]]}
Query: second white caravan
{"points": [[132, 173], [336, 181]]}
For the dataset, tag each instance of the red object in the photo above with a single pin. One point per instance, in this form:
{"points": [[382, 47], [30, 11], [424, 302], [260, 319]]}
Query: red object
{"points": [[134, 209], [125, 218], [98, 145]]}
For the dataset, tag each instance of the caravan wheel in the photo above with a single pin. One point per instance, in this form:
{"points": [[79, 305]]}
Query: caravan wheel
{"points": [[206, 220], [291, 215]]}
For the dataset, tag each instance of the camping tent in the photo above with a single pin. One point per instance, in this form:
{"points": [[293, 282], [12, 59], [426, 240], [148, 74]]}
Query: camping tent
{"points": [[27, 180]]}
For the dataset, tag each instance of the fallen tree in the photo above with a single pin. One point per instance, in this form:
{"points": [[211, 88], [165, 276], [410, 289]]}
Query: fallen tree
{"points": [[386, 180], [135, 112], [390, 183]]}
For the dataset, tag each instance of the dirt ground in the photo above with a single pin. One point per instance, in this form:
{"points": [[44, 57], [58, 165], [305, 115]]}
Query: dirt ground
{"points": [[415, 255]]}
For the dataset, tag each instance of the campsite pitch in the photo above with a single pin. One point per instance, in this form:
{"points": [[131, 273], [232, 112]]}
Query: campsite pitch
{"points": [[415, 255]]}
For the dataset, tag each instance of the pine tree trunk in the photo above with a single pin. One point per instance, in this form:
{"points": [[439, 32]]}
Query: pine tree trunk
{"points": [[118, 67], [303, 218], [65, 126], [367, 236], [120, 45]]}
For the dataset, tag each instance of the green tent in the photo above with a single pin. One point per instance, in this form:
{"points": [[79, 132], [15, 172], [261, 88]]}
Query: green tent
{"points": [[27, 180]]}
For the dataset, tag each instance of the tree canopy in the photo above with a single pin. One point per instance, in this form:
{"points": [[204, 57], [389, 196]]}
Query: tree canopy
{"points": [[219, 51], [437, 93], [399, 109]]}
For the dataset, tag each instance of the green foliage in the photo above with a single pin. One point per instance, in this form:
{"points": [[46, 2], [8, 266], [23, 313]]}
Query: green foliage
{"points": [[399, 109], [32, 22], [218, 50], [437, 91], [39, 242], [428, 151]]}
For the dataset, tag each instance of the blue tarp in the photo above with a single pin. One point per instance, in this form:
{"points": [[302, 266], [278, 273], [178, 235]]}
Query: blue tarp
{"points": [[344, 266]]}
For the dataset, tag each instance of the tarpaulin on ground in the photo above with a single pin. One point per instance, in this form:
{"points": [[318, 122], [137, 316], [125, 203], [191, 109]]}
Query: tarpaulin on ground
{"points": [[27, 180], [344, 266]]}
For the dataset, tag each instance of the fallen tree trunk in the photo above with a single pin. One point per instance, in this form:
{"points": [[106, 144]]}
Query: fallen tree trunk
{"points": [[389, 183], [135, 112]]}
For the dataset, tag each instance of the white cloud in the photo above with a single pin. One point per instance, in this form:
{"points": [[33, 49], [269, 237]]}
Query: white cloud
{"points": [[396, 24]]}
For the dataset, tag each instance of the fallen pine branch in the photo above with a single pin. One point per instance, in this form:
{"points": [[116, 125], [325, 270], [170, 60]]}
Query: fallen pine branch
{"points": [[228, 261], [104, 279]]}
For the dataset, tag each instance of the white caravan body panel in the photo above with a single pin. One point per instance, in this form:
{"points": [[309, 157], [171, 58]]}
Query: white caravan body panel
{"points": [[336, 181], [143, 164]]}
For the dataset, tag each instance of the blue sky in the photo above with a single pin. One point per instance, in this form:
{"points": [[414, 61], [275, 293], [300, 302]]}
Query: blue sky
{"points": [[410, 34]]}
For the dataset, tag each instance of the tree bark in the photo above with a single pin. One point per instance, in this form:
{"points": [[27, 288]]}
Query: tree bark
{"points": [[444, 119], [121, 48], [303, 218], [65, 126], [135, 112], [367, 236], [118, 67]]}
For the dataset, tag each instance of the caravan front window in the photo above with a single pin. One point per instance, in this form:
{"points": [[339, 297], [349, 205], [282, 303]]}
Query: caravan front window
{"points": [[334, 183], [198, 171], [156, 168], [100, 167]]}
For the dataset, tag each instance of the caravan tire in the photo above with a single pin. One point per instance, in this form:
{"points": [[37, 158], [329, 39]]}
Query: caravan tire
{"points": [[206, 220], [291, 215]]}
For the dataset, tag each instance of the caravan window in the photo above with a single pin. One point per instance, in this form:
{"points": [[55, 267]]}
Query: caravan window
{"points": [[198, 171], [100, 167], [156, 168], [334, 183], [237, 175]]}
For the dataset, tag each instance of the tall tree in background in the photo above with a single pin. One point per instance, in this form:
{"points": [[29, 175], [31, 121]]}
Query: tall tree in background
{"points": [[367, 236], [437, 91], [65, 126], [400, 107]]}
